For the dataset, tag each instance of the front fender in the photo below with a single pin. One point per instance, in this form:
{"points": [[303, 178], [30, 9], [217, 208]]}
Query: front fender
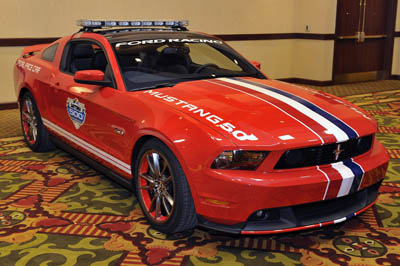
{"points": [[194, 144]]}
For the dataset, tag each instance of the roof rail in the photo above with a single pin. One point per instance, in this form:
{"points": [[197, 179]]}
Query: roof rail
{"points": [[89, 25]]}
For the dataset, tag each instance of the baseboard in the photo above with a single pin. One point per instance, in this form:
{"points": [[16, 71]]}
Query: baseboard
{"points": [[7, 106], [395, 77], [308, 81]]}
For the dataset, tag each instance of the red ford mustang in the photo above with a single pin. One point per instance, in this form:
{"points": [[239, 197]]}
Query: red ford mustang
{"points": [[199, 133]]}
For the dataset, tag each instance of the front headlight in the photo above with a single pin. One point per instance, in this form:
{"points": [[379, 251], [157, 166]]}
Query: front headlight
{"points": [[239, 160]]}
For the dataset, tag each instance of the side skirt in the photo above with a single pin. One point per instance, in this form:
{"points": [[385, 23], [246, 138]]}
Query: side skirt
{"points": [[92, 163]]}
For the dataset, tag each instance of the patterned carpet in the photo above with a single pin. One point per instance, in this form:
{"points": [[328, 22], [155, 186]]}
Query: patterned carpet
{"points": [[54, 210], [360, 88]]}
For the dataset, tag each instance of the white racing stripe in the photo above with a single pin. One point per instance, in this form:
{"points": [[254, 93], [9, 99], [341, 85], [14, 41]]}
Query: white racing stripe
{"points": [[280, 109], [327, 185], [347, 176], [90, 148], [330, 127]]}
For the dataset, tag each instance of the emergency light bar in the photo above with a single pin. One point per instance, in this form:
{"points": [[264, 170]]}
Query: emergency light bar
{"points": [[138, 23]]}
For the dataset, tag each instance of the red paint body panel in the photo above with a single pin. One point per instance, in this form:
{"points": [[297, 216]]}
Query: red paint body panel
{"points": [[191, 118], [34, 48]]}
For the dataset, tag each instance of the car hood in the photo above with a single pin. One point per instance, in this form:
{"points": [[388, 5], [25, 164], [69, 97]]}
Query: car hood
{"points": [[267, 113]]}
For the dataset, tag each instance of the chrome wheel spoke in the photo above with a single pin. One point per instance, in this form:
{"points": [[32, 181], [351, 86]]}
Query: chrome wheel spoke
{"points": [[149, 162], [158, 207], [167, 180], [156, 163], [166, 208], [153, 202], [168, 197], [29, 106], [163, 170], [26, 116], [148, 178], [147, 187], [34, 132]]}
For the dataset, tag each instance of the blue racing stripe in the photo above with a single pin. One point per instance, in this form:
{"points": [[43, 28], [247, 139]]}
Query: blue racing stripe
{"points": [[358, 174], [351, 133]]}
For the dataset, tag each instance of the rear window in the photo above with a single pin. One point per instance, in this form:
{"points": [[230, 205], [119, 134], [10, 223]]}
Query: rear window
{"points": [[50, 52]]}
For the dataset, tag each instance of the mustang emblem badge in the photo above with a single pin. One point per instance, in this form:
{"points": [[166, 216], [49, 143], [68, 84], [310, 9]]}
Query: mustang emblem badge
{"points": [[76, 111], [337, 152]]}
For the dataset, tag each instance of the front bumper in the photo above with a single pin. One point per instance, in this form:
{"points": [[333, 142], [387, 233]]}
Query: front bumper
{"points": [[305, 216], [227, 199]]}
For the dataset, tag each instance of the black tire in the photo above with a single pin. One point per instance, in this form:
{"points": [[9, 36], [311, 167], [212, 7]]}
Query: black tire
{"points": [[36, 136], [169, 185]]}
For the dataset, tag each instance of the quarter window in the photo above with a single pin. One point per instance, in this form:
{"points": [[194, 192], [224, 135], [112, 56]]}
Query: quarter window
{"points": [[50, 52]]}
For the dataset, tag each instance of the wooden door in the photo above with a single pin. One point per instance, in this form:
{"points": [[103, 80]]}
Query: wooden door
{"points": [[362, 37]]}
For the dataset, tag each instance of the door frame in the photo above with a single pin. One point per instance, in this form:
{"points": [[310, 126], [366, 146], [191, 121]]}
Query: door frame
{"points": [[389, 44]]}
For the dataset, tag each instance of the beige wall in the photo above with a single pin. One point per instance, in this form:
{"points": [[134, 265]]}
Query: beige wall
{"points": [[319, 15], [44, 18], [313, 59], [275, 56], [8, 56], [309, 59]]}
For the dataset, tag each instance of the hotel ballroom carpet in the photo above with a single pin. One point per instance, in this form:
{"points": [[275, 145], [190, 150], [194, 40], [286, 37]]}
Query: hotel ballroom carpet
{"points": [[54, 210]]}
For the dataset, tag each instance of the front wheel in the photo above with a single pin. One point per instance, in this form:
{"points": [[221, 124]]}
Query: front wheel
{"points": [[162, 190], [35, 134]]}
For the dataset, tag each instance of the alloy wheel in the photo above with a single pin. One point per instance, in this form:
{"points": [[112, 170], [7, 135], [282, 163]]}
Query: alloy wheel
{"points": [[29, 121], [156, 186]]}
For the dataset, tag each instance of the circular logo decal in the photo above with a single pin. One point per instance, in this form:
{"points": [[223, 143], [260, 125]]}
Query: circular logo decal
{"points": [[360, 246]]}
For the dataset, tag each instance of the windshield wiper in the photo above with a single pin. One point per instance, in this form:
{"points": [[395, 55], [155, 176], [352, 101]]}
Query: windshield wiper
{"points": [[156, 86]]}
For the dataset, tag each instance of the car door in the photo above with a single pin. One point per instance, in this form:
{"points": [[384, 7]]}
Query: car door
{"points": [[81, 113]]}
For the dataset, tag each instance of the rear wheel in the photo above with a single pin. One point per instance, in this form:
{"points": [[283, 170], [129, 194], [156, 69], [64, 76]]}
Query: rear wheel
{"points": [[162, 189], [35, 134]]}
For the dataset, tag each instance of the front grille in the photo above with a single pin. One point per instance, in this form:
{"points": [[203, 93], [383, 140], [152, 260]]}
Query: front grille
{"points": [[324, 154]]}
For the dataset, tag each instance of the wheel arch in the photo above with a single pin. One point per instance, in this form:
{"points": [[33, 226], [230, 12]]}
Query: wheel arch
{"points": [[22, 92], [147, 135], [136, 148]]}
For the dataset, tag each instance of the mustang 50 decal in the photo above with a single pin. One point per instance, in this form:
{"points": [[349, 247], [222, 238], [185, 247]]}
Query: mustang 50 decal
{"points": [[154, 41], [211, 118], [76, 112]]}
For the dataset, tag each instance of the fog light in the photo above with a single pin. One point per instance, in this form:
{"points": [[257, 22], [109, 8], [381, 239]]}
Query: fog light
{"points": [[265, 215]]}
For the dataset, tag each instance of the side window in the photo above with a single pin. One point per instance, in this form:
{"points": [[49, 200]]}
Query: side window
{"points": [[50, 52], [84, 56]]}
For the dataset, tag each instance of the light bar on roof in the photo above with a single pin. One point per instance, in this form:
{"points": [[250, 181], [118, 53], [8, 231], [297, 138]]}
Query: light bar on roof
{"points": [[137, 23]]}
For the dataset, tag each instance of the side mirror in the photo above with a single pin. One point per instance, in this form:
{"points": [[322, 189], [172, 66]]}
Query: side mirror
{"points": [[91, 77], [256, 64]]}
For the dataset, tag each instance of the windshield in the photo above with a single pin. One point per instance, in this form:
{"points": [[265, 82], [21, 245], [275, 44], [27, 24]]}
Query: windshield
{"points": [[148, 64]]}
